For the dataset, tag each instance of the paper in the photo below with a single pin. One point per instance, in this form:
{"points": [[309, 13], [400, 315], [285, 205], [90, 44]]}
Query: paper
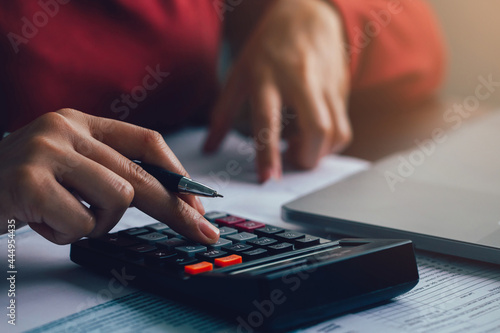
{"points": [[453, 295]]}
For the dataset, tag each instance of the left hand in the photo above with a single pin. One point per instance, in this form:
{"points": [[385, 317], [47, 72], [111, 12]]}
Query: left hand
{"points": [[294, 57]]}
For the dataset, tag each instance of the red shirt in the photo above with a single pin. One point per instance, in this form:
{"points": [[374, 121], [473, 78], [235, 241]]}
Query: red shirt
{"points": [[153, 62]]}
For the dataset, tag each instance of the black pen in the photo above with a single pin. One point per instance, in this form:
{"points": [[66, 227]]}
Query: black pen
{"points": [[178, 183]]}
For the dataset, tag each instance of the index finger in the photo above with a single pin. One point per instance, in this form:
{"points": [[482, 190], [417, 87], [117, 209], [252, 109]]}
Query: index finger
{"points": [[139, 143], [266, 116]]}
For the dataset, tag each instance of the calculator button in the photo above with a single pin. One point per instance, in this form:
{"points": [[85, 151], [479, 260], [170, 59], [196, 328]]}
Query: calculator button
{"points": [[268, 231], [171, 233], [212, 216], [142, 248], [152, 237], [198, 268], [220, 243], [179, 262], [113, 242], [237, 248], [228, 261], [262, 242], [249, 226], [135, 231], [190, 250], [172, 243], [225, 231], [242, 237], [210, 255], [229, 220], [289, 235], [255, 254], [280, 248], [306, 241], [158, 227], [158, 257]]}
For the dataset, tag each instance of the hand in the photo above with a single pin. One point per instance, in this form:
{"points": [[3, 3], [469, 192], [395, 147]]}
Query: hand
{"points": [[295, 57], [69, 152]]}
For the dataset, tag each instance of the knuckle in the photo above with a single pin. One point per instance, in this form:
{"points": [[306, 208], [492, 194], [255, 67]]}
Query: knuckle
{"points": [[67, 112], [153, 138], [41, 144], [53, 121], [320, 131], [139, 175], [345, 136], [124, 191]]}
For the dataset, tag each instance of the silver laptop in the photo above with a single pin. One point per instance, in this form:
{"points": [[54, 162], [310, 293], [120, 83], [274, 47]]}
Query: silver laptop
{"points": [[444, 195]]}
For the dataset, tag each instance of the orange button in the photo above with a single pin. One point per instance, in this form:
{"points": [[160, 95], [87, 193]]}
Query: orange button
{"points": [[228, 261], [198, 268]]}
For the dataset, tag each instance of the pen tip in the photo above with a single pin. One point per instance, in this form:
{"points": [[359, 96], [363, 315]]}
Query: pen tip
{"points": [[217, 195]]}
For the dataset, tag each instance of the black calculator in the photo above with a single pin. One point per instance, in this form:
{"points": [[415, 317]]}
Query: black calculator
{"points": [[258, 274]]}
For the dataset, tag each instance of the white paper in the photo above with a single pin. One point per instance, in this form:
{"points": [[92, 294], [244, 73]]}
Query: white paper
{"points": [[453, 295]]}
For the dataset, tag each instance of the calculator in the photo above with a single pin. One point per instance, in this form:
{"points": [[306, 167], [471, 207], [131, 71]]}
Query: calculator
{"points": [[262, 276]]}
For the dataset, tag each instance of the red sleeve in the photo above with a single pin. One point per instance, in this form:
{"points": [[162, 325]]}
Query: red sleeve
{"points": [[395, 48]]}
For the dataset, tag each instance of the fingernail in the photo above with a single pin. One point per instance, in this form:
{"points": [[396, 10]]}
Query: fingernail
{"points": [[270, 173], [276, 174], [209, 146], [209, 230], [265, 175]]}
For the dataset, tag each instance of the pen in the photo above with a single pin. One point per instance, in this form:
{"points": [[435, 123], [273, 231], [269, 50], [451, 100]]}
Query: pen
{"points": [[178, 183]]}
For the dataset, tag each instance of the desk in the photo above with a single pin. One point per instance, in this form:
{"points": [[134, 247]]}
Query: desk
{"points": [[51, 288]]}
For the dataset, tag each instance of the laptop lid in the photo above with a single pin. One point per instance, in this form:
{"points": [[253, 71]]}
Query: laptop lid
{"points": [[444, 195]]}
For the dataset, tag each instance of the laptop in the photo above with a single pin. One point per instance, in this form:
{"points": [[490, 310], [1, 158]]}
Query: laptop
{"points": [[444, 195]]}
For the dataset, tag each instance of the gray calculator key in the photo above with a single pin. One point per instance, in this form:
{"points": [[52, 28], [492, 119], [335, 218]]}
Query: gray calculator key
{"points": [[136, 231], [263, 242], [220, 243], [212, 216], [191, 250], [289, 235], [171, 233], [242, 237], [152, 237], [172, 243], [226, 231], [157, 227]]}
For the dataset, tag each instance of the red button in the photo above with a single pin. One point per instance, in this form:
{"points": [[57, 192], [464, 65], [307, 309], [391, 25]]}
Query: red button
{"points": [[249, 225], [229, 220], [198, 268], [228, 261]]}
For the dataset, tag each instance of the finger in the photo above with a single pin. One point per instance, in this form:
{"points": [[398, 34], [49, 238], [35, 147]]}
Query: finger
{"points": [[266, 116], [133, 142], [153, 199], [314, 125], [63, 219], [231, 98], [108, 194], [342, 126]]}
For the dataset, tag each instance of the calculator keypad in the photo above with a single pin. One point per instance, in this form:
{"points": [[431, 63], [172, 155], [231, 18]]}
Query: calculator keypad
{"points": [[240, 241]]}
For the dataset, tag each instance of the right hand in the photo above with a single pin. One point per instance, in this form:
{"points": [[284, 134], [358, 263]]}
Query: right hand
{"points": [[67, 152]]}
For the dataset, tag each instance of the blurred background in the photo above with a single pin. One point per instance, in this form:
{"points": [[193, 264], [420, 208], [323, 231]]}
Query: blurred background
{"points": [[472, 33]]}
